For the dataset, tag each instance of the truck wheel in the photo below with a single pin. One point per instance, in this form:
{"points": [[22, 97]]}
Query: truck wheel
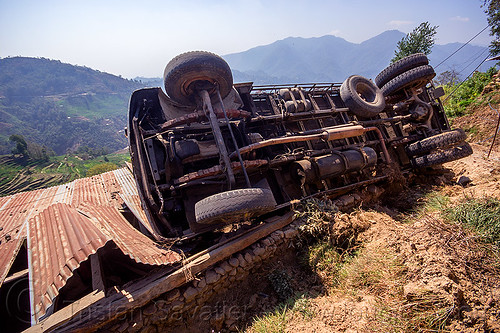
{"points": [[442, 140], [401, 66], [414, 78], [362, 97], [443, 156], [234, 206], [190, 67]]}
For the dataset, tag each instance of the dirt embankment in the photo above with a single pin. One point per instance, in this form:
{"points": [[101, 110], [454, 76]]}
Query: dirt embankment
{"points": [[415, 271], [405, 268]]}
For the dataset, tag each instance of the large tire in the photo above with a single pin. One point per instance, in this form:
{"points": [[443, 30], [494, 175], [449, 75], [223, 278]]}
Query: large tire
{"points": [[401, 66], [443, 156], [190, 67], [362, 97], [414, 78], [442, 140], [234, 206]]}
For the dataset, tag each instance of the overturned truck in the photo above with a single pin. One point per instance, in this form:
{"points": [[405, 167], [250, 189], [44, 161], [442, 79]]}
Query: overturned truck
{"points": [[207, 153]]}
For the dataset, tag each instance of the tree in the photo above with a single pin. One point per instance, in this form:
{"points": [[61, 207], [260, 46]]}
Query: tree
{"points": [[21, 145], [448, 78], [421, 39], [492, 9]]}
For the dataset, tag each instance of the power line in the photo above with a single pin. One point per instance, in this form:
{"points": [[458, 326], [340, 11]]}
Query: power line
{"points": [[465, 79], [469, 63], [461, 47]]}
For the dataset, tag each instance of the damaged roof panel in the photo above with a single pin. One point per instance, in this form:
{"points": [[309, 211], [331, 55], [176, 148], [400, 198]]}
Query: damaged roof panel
{"points": [[67, 223], [60, 239], [129, 240], [131, 198], [14, 213]]}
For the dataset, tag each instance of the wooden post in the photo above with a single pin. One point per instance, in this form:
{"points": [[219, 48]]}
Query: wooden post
{"points": [[97, 276]]}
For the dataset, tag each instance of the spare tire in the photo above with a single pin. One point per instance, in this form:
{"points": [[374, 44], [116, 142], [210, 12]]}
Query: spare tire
{"points": [[442, 156], [234, 206], [185, 69], [442, 140], [362, 97], [401, 66], [414, 78]]}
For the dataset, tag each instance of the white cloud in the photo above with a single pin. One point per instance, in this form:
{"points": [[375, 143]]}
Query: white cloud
{"points": [[398, 23], [460, 19], [334, 32]]}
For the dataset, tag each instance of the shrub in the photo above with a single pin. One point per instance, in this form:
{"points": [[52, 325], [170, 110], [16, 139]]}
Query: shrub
{"points": [[466, 93], [101, 168]]}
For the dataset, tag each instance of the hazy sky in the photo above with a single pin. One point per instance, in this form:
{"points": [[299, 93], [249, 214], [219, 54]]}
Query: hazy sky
{"points": [[138, 38]]}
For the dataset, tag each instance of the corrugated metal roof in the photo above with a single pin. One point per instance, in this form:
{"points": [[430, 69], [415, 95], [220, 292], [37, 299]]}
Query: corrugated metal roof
{"points": [[69, 222], [60, 239], [14, 214], [132, 243], [131, 198]]}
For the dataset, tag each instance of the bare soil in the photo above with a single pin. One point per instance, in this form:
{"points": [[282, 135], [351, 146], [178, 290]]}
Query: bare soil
{"points": [[408, 270]]}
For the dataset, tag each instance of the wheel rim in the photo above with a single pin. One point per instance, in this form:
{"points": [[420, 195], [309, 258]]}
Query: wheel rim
{"points": [[366, 93]]}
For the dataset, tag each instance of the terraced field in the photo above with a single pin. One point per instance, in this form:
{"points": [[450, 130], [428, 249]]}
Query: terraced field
{"points": [[21, 174]]}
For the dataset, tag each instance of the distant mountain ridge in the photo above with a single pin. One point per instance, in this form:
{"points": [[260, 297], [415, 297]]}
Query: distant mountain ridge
{"points": [[333, 59], [63, 106]]}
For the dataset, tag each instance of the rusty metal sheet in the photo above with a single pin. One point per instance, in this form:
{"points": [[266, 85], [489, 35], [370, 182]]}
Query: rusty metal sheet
{"points": [[14, 213], [90, 190], [60, 238], [130, 241], [131, 198], [65, 224]]}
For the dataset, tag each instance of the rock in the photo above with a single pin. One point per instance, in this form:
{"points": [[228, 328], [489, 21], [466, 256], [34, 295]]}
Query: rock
{"points": [[202, 283], [226, 267], [136, 324], [464, 181], [220, 270], [266, 242], [243, 262], [249, 257], [234, 262], [347, 200], [149, 329], [258, 251], [173, 295], [217, 321], [240, 274], [276, 237], [123, 327], [212, 277], [149, 310], [253, 300], [291, 233], [190, 294]]}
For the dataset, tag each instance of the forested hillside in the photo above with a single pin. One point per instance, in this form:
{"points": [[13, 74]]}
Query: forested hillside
{"points": [[62, 106]]}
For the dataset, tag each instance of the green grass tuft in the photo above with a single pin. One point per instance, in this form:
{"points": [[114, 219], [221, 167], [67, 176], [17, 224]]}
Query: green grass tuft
{"points": [[482, 215]]}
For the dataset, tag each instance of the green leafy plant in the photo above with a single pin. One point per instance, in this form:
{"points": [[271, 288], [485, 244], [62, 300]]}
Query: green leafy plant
{"points": [[467, 93], [421, 39]]}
